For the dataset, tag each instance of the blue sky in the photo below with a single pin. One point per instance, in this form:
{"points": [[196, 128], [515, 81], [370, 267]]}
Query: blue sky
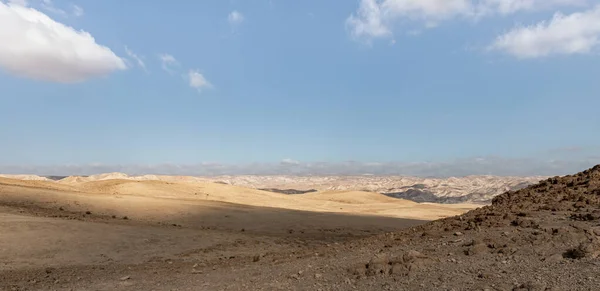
{"points": [[239, 82]]}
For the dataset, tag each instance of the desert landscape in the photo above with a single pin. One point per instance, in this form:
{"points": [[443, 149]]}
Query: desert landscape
{"points": [[119, 232], [299, 145]]}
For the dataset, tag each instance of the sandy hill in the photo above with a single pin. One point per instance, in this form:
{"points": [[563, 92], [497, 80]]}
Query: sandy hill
{"points": [[355, 197], [188, 189], [337, 201], [34, 183], [25, 177], [193, 235], [123, 176], [477, 189]]}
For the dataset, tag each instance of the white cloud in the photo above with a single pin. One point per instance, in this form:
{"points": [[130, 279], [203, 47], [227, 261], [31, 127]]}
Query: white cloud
{"points": [[291, 162], [169, 63], [235, 18], [137, 58], [368, 21], [77, 11], [577, 33], [376, 18], [35, 46], [197, 80]]}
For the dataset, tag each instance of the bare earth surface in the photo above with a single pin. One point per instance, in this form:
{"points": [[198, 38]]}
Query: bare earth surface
{"points": [[158, 235], [90, 235]]}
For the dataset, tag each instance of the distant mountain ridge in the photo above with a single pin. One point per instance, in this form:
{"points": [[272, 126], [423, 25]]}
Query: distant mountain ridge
{"points": [[474, 189]]}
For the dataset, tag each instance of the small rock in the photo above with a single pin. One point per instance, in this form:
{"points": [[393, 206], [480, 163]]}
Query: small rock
{"points": [[530, 286], [125, 278], [583, 250], [318, 276], [379, 264], [554, 258], [412, 256], [458, 233], [476, 249]]}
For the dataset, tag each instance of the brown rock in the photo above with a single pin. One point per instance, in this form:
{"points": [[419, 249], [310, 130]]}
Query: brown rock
{"points": [[530, 286], [477, 249], [378, 265], [554, 258], [412, 256]]}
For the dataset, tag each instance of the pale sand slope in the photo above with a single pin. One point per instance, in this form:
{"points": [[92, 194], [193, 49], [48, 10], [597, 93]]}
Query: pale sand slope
{"points": [[476, 188], [25, 177], [81, 224], [352, 202], [356, 202], [50, 224]]}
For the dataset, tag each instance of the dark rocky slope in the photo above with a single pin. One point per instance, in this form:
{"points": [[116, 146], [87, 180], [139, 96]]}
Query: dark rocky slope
{"points": [[543, 237]]}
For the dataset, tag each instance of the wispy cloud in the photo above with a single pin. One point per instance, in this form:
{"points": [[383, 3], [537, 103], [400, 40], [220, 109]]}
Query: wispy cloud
{"points": [[78, 11], [18, 2], [168, 63], [235, 18], [136, 58], [48, 5], [197, 80]]}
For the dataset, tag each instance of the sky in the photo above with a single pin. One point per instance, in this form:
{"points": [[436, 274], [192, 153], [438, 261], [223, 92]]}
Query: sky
{"points": [[428, 87]]}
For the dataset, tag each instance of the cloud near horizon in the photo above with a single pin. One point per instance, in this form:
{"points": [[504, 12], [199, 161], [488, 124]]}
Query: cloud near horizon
{"points": [[33, 45], [458, 168]]}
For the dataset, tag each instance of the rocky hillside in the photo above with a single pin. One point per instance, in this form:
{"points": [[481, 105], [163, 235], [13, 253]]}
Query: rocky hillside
{"points": [[543, 237]]}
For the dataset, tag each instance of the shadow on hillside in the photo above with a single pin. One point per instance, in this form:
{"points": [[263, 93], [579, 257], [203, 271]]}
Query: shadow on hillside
{"points": [[291, 223], [201, 215]]}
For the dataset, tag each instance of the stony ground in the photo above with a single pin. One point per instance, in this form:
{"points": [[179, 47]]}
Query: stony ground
{"points": [[544, 237]]}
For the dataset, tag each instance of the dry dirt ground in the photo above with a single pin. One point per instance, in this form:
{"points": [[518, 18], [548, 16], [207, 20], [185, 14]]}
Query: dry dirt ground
{"points": [[120, 235], [155, 235]]}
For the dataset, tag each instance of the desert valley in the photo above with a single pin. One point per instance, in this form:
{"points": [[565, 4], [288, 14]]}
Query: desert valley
{"points": [[113, 231]]}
